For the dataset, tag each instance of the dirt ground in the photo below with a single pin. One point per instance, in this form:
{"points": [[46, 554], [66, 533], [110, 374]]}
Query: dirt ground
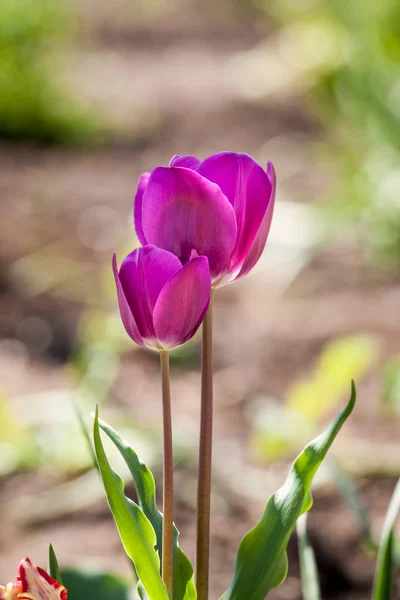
{"points": [[169, 85]]}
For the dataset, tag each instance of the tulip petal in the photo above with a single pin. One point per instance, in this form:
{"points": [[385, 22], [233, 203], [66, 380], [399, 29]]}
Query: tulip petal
{"points": [[38, 585], [137, 207], [261, 237], [183, 211], [188, 161], [248, 189], [183, 303], [143, 274], [12, 591], [124, 308]]}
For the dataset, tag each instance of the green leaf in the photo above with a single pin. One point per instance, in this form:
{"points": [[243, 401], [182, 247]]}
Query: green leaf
{"points": [[184, 588], [136, 532], [261, 562], [82, 585], [384, 565], [308, 566], [54, 569]]}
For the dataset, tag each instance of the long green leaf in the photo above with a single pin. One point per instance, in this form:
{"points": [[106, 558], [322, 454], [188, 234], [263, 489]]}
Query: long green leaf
{"points": [[261, 562], [384, 566], [308, 566], [136, 532], [54, 569], [184, 588]]}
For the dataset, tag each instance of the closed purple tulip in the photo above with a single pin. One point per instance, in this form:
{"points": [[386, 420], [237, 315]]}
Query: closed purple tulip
{"points": [[162, 303], [221, 207]]}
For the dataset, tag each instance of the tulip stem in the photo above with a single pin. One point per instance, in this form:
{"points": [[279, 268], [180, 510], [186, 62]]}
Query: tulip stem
{"points": [[205, 456], [167, 567]]}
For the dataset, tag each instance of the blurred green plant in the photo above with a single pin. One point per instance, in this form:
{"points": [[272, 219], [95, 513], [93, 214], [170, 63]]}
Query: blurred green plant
{"points": [[385, 562], [338, 361], [83, 585], [308, 567], [17, 447], [89, 585], [391, 385], [347, 60], [349, 491], [280, 429], [33, 101]]}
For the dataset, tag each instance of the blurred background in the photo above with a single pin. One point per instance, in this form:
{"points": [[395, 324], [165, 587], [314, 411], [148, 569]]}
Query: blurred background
{"points": [[91, 95]]}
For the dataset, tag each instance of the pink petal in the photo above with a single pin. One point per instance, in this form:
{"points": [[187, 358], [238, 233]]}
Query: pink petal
{"points": [[124, 308], [137, 207], [259, 241], [183, 211], [38, 585], [143, 274], [187, 161], [183, 303], [248, 189]]}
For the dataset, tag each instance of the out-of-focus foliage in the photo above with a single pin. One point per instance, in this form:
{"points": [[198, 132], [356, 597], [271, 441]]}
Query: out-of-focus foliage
{"points": [[385, 562], [35, 422], [281, 429], [348, 59], [16, 442], [339, 360], [33, 101], [348, 489], [84, 585], [391, 385], [386, 558], [308, 566]]}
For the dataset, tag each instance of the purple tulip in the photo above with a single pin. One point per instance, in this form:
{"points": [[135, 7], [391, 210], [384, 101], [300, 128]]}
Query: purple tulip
{"points": [[162, 303], [221, 207]]}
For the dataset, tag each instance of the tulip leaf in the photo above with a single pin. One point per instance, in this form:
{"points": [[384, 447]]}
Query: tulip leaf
{"points": [[308, 566], [384, 565], [136, 532], [54, 569], [261, 563], [184, 588]]}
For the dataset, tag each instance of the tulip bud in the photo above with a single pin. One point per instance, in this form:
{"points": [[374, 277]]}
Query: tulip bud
{"points": [[162, 303]]}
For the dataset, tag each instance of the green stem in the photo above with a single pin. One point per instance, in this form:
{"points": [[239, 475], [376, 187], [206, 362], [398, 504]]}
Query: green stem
{"points": [[167, 567], [205, 455]]}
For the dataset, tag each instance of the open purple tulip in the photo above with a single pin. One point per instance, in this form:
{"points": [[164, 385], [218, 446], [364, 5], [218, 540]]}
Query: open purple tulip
{"points": [[221, 207], [162, 303]]}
